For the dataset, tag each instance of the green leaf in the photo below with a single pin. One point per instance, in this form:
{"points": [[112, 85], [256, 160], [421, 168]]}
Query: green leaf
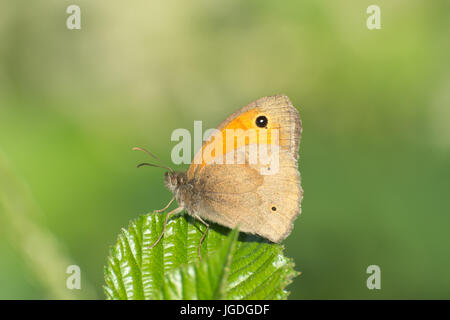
{"points": [[234, 266]]}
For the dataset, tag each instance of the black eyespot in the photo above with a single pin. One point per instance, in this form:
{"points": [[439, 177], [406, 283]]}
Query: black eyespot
{"points": [[261, 121], [274, 209]]}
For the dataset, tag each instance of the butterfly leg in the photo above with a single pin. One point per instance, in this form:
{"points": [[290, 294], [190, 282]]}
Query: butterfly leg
{"points": [[171, 213], [203, 236], [165, 208]]}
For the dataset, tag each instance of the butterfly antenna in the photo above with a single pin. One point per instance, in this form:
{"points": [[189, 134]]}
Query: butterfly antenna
{"points": [[154, 157], [147, 152], [154, 165]]}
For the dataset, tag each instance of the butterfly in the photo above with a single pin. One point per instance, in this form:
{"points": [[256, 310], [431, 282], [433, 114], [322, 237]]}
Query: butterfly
{"points": [[224, 186]]}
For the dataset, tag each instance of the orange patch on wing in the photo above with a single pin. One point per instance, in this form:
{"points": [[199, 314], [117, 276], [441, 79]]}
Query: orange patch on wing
{"points": [[243, 132]]}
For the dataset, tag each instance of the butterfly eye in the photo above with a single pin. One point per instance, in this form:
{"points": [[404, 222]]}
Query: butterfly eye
{"points": [[274, 209], [261, 121]]}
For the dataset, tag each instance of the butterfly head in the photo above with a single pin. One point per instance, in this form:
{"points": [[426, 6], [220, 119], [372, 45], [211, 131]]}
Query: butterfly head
{"points": [[173, 180]]}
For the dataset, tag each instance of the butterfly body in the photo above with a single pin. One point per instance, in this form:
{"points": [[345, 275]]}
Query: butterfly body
{"points": [[252, 196], [182, 189]]}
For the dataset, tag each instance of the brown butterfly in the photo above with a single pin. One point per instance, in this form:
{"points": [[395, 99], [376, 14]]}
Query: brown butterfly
{"points": [[244, 194]]}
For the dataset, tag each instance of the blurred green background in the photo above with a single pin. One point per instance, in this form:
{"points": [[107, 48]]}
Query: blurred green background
{"points": [[374, 156]]}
